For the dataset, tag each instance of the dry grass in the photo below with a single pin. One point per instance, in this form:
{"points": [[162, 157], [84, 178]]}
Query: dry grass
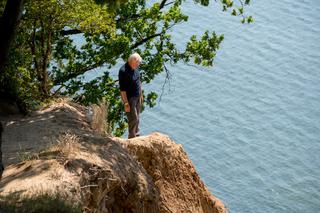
{"points": [[67, 144]]}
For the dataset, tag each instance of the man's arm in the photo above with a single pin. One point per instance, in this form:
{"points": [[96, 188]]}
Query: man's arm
{"points": [[122, 85], [123, 92], [125, 101], [140, 88], [124, 96], [141, 95]]}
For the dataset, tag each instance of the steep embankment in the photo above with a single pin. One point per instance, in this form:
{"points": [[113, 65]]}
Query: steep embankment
{"points": [[60, 152]]}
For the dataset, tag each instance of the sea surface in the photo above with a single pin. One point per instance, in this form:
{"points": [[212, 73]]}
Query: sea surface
{"points": [[251, 123]]}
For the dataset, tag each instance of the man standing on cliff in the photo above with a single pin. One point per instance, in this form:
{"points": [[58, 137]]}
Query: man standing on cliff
{"points": [[131, 92]]}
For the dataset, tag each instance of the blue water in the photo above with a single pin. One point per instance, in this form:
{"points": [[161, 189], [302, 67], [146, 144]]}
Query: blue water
{"points": [[251, 123]]}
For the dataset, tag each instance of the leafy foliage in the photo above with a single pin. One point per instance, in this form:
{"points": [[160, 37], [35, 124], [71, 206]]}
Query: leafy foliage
{"points": [[51, 63]]}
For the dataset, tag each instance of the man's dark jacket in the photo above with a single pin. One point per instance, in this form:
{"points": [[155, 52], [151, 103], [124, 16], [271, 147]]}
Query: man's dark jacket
{"points": [[129, 80]]}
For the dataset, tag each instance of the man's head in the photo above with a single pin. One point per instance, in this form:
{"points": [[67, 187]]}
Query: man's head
{"points": [[134, 60]]}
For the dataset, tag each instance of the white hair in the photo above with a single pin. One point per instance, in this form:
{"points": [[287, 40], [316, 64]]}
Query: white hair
{"points": [[135, 56]]}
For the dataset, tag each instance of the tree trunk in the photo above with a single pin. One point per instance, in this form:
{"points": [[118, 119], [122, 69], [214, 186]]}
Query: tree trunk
{"points": [[8, 25], [1, 165]]}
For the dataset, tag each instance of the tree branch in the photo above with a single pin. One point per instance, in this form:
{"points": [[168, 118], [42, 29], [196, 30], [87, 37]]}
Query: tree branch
{"points": [[166, 80], [76, 73], [145, 40], [133, 16], [162, 4], [70, 32]]}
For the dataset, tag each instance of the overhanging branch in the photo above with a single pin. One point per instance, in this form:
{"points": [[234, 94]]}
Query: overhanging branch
{"points": [[70, 32], [145, 40]]}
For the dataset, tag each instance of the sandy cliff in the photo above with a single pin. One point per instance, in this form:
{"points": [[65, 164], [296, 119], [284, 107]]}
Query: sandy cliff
{"points": [[60, 151]]}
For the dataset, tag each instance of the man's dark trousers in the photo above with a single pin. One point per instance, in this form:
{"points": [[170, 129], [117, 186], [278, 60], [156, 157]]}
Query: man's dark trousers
{"points": [[133, 116]]}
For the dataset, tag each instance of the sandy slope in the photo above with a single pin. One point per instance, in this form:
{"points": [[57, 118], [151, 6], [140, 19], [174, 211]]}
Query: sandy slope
{"points": [[61, 149]]}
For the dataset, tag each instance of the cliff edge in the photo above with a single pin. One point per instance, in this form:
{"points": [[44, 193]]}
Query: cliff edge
{"points": [[58, 158]]}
